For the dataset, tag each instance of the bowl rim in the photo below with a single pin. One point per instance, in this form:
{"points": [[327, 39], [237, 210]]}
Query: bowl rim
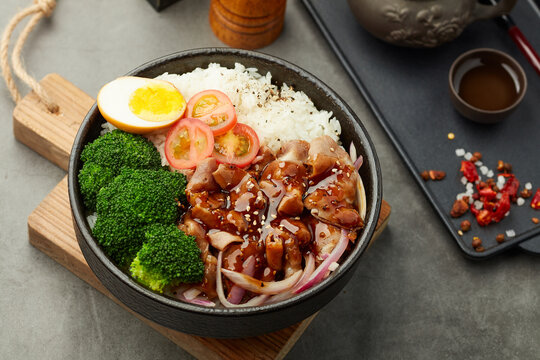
{"points": [[516, 66], [363, 240]]}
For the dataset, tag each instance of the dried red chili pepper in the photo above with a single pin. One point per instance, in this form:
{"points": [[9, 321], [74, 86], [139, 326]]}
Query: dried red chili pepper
{"points": [[487, 193], [503, 206], [511, 186], [469, 170], [535, 202], [484, 217]]}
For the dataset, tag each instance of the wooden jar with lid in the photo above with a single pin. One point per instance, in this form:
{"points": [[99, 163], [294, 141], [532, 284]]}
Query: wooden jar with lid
{"points": [[247, 24]]}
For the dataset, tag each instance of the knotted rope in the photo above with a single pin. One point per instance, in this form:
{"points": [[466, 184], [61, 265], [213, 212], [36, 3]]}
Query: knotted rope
{"points": [[40, 9]]}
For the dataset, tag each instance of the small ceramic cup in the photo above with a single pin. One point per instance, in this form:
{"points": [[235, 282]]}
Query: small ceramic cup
{"points": [[478, 57]]}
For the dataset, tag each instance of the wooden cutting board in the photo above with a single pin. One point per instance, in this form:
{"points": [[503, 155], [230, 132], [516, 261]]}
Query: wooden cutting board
{"points": [[50, 226]]}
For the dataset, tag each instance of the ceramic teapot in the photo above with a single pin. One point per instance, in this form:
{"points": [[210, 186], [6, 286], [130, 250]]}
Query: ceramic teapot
{"points": [[422, 23]]}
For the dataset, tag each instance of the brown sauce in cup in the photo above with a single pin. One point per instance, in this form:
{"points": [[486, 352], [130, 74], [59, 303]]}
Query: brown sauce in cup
{"points": [[487, 84]]}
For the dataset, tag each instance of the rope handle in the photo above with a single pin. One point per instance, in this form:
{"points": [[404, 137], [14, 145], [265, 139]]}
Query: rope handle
{"points": [[40, 9]]}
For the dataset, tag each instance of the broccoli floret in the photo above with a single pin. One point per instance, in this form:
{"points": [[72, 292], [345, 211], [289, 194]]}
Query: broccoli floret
{"points": [[168, 257], [133, 200], [92, 178], [119, 239], [104, 159]]}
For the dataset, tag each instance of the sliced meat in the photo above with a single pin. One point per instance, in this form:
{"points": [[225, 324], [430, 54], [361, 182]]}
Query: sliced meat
{"points": [[283, 244], [202, 179], [208, 285], [229, 176], [263, 158], [274, 251], [294, 151], [193, 228], [333, 184], [288, 174]]}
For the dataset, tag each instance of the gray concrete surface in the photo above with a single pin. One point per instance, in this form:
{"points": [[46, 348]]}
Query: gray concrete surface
{"points": [[414, 296]]}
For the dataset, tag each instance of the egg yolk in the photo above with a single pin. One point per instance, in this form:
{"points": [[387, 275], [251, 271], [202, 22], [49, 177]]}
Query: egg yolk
{"points": [[155, 102]]}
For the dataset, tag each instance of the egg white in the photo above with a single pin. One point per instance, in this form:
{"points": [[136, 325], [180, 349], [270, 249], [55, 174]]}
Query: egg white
{"points": [[113, 103]]}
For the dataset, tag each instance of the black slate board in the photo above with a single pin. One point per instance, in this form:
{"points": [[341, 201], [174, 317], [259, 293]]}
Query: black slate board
{"points": [[407, 90]]}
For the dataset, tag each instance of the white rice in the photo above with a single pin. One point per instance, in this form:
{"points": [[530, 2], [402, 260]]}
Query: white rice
{"points": [[276, 114]]}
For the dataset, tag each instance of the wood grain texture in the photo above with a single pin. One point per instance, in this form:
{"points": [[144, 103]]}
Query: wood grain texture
{"points": [[247, 24], [50, 226], [50, 229], [51, 135]]}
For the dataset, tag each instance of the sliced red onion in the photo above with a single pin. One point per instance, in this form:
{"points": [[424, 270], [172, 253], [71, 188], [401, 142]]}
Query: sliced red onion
{"points": [[262, 287], [308, 270], [221, 239], [256, 301], [320, 272], [192, 293], [358, 163], [352, 152], [237, 293], [198, 300]]}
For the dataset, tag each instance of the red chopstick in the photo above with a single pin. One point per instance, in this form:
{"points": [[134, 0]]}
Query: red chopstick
{"points": [[521, 41]]}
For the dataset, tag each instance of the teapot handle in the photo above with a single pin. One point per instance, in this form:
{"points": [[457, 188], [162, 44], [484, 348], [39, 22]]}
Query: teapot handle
{"points": [[489, 11]]}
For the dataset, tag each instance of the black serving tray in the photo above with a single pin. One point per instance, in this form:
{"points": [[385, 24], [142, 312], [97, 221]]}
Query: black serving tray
{"points": [[407, 90]]}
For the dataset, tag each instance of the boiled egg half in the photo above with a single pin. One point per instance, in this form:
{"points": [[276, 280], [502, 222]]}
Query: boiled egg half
{"points": [[140, 105]]}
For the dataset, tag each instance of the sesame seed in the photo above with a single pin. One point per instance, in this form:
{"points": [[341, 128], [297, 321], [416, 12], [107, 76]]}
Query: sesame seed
{"points": [[273, 215], [460, 233]]}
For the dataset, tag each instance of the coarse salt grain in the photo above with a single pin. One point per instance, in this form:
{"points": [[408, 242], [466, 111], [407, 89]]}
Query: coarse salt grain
{"points": [[468, 156], [464, 180], [528, 186], [478, 204], [520, 201], [460, 196], [484, 170], [490, 174], [469, 186], [460, 152], [498, 196], [510, 233], [478, 163]]}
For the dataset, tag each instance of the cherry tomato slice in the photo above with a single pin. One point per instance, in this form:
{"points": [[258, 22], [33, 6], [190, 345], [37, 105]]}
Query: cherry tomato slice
{"points": [[214, 108], [238, 146], [188, 142]]}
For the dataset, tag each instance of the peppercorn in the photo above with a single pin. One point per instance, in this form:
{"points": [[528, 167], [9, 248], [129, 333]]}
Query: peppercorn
{"points": [[459, 208], [477, 155], [507, 168], [476, 242], [480, 249], [473, 159], [526, 193], [465, 225], [436, 174], [500, 238]]}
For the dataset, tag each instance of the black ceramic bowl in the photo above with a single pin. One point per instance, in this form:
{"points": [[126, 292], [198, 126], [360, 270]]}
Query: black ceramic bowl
{"points": [[223, 322]]}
